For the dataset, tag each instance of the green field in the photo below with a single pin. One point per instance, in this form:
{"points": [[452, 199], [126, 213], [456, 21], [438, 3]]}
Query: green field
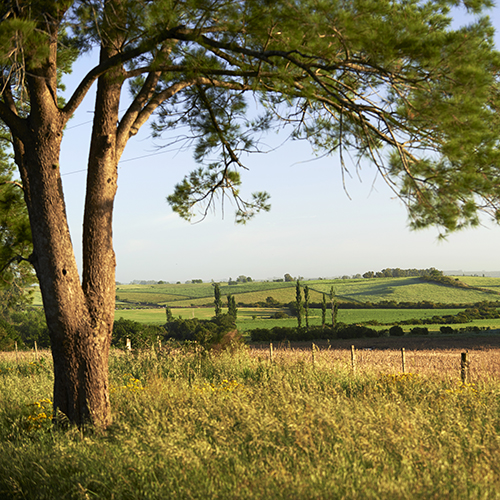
{"points": [[364, 290], [186, 300], [250, 318]]}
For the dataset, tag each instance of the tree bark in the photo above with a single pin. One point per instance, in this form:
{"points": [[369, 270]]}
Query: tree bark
{"points": [[79, 313]]}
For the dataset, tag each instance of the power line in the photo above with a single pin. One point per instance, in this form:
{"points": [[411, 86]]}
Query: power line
{"points": [[121, 161]]}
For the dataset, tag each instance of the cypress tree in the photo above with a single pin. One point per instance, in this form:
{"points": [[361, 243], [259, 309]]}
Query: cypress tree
{"points": [[298, 302], [323, 311], [170, 316], [306, 305], [217, 301], [334, 307], [231, 306]]}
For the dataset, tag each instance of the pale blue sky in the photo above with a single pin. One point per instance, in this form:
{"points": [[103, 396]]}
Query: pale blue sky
{"points": [[313, 228]]}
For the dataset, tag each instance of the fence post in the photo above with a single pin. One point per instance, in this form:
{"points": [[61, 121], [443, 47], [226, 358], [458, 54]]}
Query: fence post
{"points": [[353, 359], [271, 352], [17, 358], [403, 359], [129, 345], [464, 367], [36, 352], [313, 351]]}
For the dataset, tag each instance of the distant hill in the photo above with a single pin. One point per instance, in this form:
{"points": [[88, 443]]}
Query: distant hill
{"points": [[410, 289], [486, 274]]}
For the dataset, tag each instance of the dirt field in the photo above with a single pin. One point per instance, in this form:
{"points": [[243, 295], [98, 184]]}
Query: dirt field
{"points": [[470, 341], [435, 355]]}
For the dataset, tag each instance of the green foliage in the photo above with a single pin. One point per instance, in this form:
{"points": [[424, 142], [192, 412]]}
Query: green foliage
{"points": [[316, 66], [141, 336], [31, 326], [169, 314], [218, 332], [323, 311], [418, 330], [299, 308], [217, 299], [15, 236], [334, 306], [231, 307], [306, 305], [396, 331], [8, 336], [403, 273]]}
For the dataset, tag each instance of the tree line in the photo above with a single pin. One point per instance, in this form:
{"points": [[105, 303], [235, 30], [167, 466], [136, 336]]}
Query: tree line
{"points": [[402, 273]]}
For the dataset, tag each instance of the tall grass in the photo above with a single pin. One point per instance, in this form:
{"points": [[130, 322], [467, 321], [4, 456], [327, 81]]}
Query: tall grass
{"points": [[188, 424]]}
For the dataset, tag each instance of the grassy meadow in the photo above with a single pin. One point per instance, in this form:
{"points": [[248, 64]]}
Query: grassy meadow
{"points": [[189, 425], [250, 318]]}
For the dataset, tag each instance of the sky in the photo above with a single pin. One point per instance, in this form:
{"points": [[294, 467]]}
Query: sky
{"points": [[314, 229]]}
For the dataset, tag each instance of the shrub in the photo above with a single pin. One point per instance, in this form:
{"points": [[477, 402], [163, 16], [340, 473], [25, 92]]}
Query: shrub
{"points": [[31, 326], [218, 332], [8, 336], [396, 331], [418, 330], [141, 336], [280, 315], [356, 332], [446, 329]]}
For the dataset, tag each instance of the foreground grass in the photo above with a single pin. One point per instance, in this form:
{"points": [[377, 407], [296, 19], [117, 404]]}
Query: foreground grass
{"points": [[190, 425]]}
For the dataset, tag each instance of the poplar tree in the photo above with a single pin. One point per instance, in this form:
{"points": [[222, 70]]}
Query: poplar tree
{"points": [[231, 306], [387, 80], [306, 305], [217, 300], [298, 304], [334, 307], [323, 311]]}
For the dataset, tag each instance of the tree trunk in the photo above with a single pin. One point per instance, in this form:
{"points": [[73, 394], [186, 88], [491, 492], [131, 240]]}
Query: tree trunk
{"points": [[79, 314]]}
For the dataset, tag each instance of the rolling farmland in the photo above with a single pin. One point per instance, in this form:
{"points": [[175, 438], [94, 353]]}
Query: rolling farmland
{"points": [[364, 290]]}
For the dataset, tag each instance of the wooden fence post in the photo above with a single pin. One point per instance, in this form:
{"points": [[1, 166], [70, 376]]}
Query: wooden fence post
{"points": [[464, 367], [129, 345], [403, 359], [17, 358], [353, 359], [271, 352], [36, 352], [313, 352]]}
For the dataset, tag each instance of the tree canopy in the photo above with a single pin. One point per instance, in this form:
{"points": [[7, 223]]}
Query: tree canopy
{"points": [[377, 78], [386, 80], [16, 274]]}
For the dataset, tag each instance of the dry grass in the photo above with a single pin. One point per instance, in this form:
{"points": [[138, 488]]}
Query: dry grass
{"points": [[484, 362], [25, 356], [188, 424], [441, 363]]}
